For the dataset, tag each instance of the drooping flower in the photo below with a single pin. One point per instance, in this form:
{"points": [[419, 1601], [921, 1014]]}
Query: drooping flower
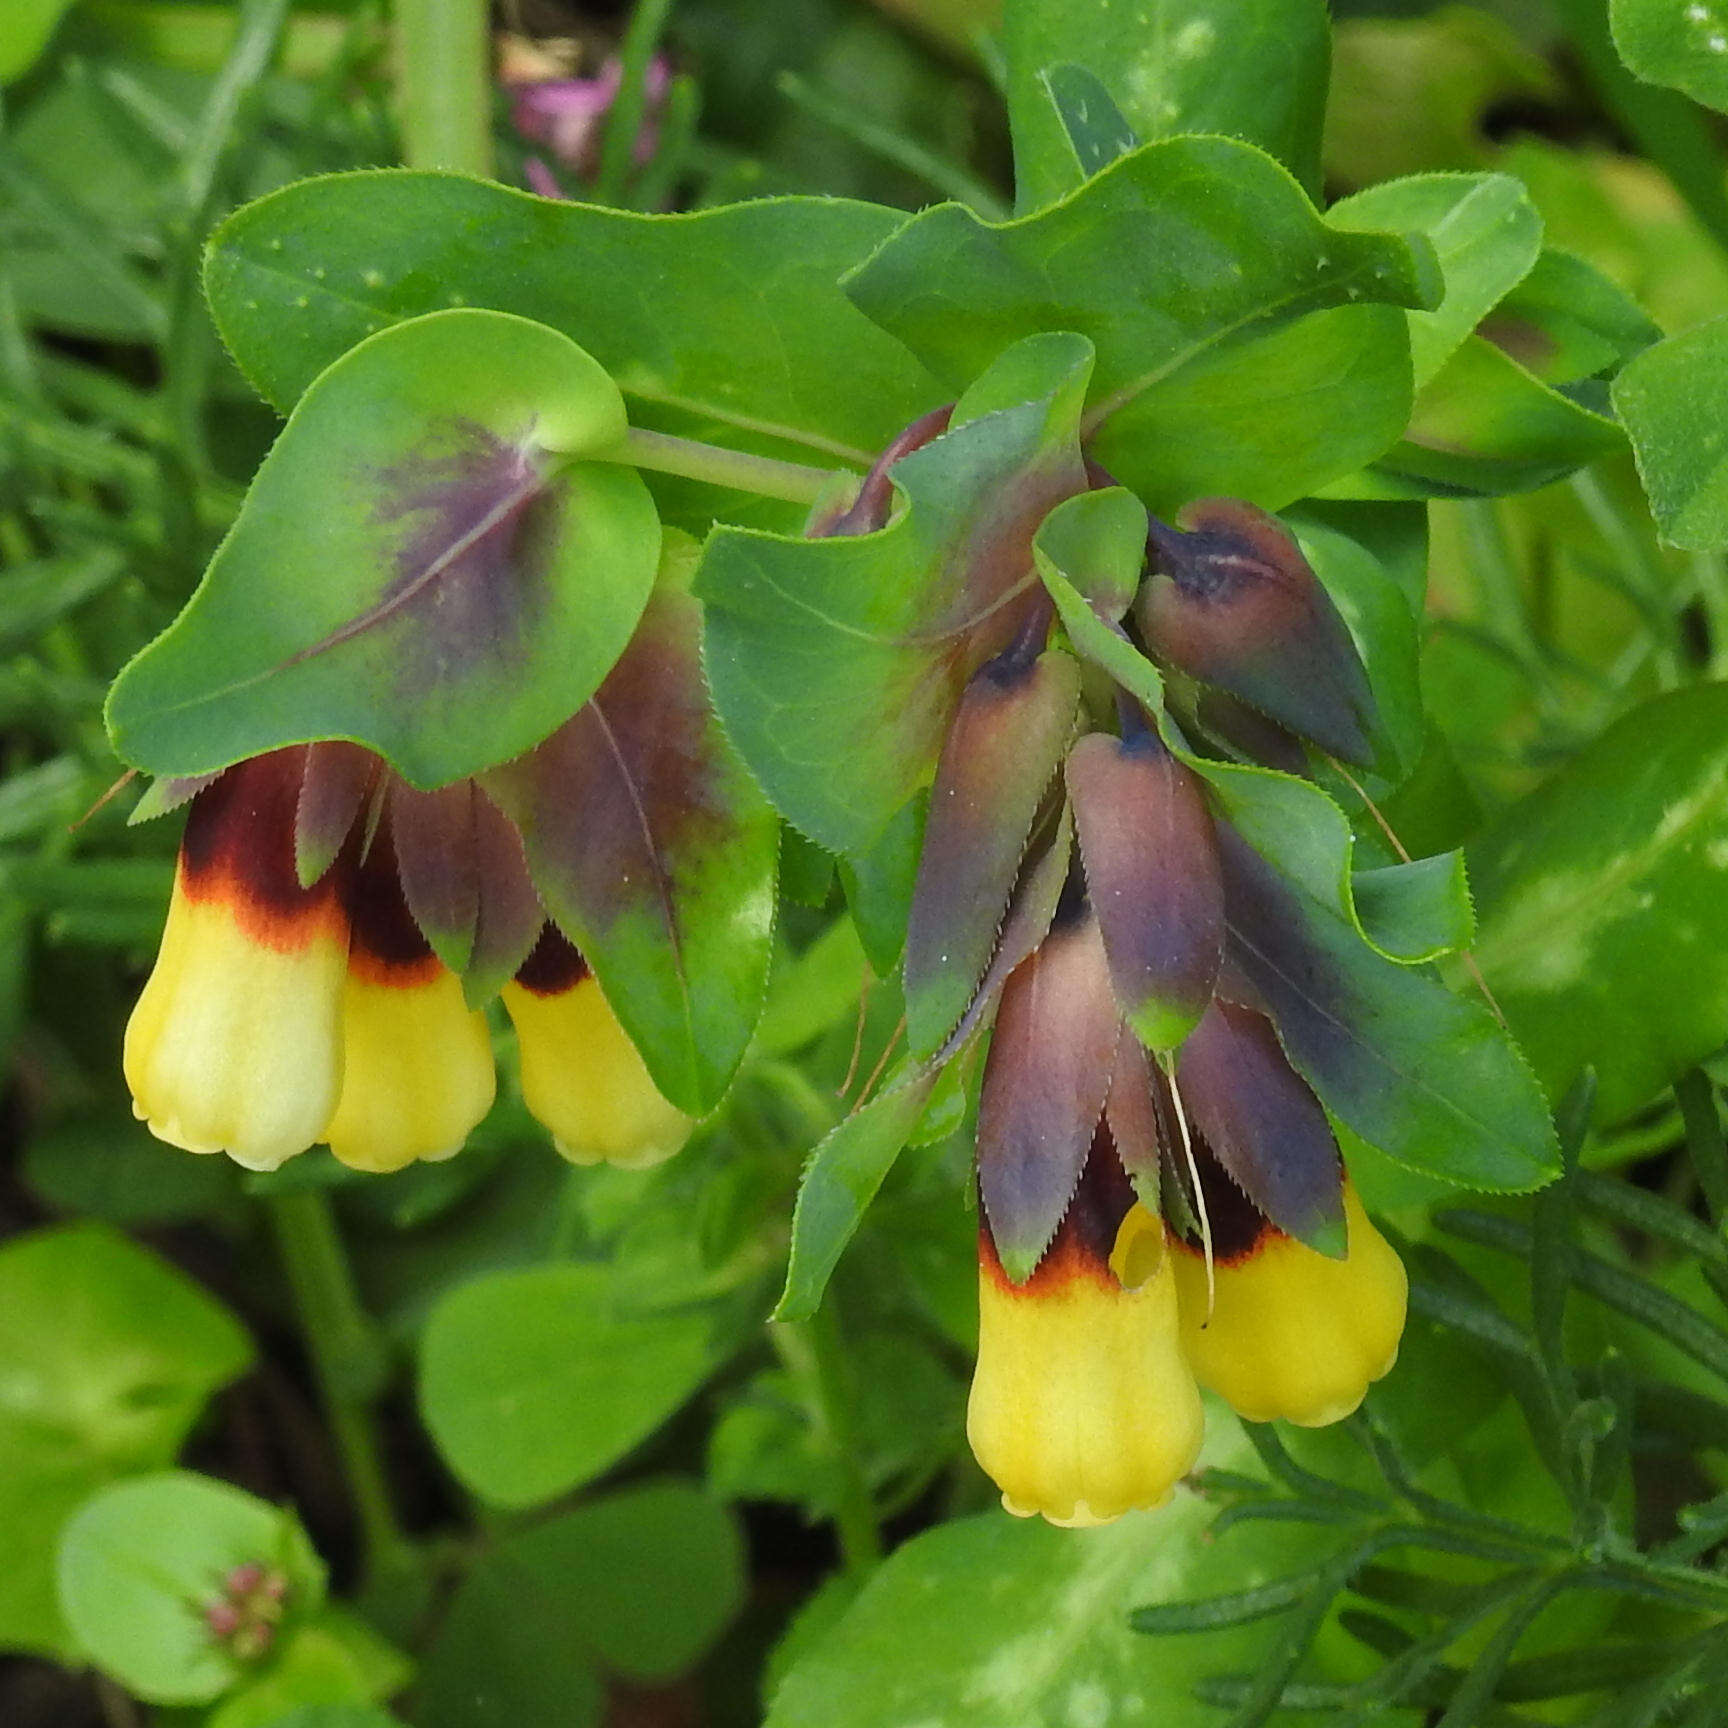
{"points": [[604, 1108], [1082, 1405], [303, 991], [1281, 1331], [235, 1045]]}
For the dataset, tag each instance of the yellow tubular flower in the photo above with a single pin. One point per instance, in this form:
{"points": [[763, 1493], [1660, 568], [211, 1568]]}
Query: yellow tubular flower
{"points": [[581, 1075], [417, 1062], [234, 1045], [1082, 1406], [1293, 1334]]}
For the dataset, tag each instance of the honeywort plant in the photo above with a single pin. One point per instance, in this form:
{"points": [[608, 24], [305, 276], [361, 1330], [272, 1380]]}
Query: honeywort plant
{"points": [[684, 627]]}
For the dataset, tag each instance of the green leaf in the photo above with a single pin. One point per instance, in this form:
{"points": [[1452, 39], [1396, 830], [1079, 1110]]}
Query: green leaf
{"points": [[1416, 911], [641, 1583], [840, 1180], [742, 323], [1383, 625], [39, 592], [1096, 129], [107, 1356], [1682, 46], [534, 1382], [1567, 321], [878, 885], [107, 1166], [141, 1562], [424, 564], [656, 853], [1272, 419], [1671, 401], [1603, 925], [332, 1660], [992, 1622], [1256, 72], [1485, 232], [1181, 262], [1426, 1077], [24, 33], [837, 664], [1484, 425]]}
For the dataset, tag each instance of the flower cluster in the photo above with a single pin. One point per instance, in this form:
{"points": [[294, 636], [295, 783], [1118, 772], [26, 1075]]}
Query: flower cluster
{"points": [[299, 995], [1163, 1204]]}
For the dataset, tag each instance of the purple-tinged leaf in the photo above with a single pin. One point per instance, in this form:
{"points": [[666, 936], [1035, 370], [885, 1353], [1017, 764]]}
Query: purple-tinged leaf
{"points": [[1152, 877], [426, 564], [436, 853], [509, 918], [1045, 1081], [339, 780], [1234, 603], [1263, 1125], [839, 663], [1427, 1077], [1000, 756], [167, 794], [1246, 732], [1136, 1120], [1036, 896], [655, 852]]}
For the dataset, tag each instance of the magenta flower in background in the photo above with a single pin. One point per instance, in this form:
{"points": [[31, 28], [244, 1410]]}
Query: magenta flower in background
{"points": [[567, 117]]}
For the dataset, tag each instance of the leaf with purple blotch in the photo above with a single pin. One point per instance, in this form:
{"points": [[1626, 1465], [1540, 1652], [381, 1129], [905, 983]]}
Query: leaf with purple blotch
{"points": [[997, 762], [1152, 877], [429, 563], [1427, 1077], [1263, 1125], [1233, 602], [838, 664], [656, 854], [1045, 1081]]}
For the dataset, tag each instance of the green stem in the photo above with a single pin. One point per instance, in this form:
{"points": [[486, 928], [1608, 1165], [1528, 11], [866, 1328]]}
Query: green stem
{"points": [[624, 121], [717, 466], [444, 81], [347, 1355], [812, 1350]]}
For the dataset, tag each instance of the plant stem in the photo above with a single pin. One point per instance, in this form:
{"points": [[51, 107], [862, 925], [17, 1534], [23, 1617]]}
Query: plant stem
{"points": [[347, 1354], [444, 81], [812, 1350], [624, 121], [717, 466]]}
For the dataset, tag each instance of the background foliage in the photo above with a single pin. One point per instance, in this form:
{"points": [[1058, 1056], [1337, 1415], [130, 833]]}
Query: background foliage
{"points": [[522, 1442]]}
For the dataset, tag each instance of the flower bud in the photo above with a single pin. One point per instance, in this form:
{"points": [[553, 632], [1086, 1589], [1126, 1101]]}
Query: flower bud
{"points": [[1233, 603]]}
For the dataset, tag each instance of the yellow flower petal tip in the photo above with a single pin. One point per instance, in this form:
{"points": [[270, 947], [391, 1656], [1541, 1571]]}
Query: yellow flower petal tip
{"points": [[1292, 1334], [234, 1045], [1082, 1406], [581, 1076], [417, 1068]]}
